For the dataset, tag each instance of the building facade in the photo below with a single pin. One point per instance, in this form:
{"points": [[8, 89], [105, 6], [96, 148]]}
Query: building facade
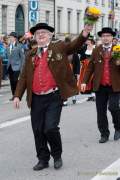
{"points": [[70, 14], [13, 16], [65, 15], [20, 15], [116, 22]]}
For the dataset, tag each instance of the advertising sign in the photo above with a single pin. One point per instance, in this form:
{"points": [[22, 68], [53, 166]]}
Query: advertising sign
{"points": [[33, 12]]}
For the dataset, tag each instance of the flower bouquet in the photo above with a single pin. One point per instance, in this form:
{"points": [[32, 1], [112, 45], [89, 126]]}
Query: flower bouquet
{"points": [[91, 15], [116, 54]]}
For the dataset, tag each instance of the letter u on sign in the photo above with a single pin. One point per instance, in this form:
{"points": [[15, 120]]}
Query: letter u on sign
{"points": [[34, 5]]}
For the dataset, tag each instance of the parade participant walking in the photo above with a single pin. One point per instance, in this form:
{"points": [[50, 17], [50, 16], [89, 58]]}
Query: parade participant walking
{"points": [[49, 80], [106, 83], [74, 63], [15, 61], [86, 53]]}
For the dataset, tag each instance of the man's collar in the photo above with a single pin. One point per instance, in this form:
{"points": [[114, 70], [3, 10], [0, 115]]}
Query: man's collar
{"points": [[44, 47], [107, 47]]}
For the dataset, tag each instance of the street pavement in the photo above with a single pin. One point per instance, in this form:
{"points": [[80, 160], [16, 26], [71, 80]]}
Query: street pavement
{"points": [[8, 113], [83, 156]]}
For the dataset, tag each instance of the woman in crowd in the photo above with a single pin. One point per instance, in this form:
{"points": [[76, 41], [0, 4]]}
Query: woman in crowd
{"points": [[86, 52]]}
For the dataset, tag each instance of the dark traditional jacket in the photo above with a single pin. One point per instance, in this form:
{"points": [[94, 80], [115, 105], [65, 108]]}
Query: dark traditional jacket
{"points": [[58, 63], [95, 67]]}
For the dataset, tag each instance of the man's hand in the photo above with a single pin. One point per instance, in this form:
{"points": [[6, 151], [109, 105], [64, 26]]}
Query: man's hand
{"points": [[78, 76], [16, 102], [83, 87], [87, 29]]}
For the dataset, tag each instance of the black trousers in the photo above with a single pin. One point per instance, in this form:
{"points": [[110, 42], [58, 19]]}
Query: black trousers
{"points": [[45, 118], [102, 100], [13, 76]]}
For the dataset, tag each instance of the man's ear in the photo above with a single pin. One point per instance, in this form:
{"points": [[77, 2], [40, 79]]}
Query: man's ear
{"points": [[51, 35]]}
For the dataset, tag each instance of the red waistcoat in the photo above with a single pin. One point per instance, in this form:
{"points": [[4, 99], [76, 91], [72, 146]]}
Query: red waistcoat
{"points": [[106, 79], [42, 79]]}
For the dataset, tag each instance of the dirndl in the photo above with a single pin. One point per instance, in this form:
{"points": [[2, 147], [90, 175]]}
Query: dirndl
{"points": [[89, 87]]}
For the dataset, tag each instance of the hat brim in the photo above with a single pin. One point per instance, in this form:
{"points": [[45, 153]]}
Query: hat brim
{"points": [[13, 36], [101, 32], [35, 28]]}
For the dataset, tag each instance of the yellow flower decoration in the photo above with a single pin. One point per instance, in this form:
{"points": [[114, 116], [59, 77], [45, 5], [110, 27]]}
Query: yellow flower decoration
{"points": [[116, 48], [116, 54], [94, 11], [91, 15]]}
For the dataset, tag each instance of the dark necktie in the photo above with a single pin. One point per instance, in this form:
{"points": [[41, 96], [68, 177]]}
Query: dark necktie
{"points": [[106, 49], [107, 52], [40, 50]]}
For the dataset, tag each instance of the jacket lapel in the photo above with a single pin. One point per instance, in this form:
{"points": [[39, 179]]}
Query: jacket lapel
{"points": [[33, 53], [100, 52]]}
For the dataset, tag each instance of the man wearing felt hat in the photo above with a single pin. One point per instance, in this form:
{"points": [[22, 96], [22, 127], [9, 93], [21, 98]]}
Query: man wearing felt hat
{"points": [[15, 57], [106, 84], [48, 79], [108, 31]]}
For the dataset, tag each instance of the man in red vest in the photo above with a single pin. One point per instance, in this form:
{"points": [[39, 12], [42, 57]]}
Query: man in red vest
{"points": [[48, 79], [106, 84]]}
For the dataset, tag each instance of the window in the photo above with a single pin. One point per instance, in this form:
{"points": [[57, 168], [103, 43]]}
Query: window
{"points": [[103, 2], [109, 3], [96, 1], [109, 22], [69, 21], [113, 4], [59, 20], [116, 3], [102, 20], [116, 24], [19, 20], [4, 19], [78, 22], [47, 17], [95, 29]]}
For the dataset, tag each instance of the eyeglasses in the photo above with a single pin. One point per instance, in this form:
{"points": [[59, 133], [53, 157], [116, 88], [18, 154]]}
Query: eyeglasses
{"points": [[42, 32], [107, 35]]}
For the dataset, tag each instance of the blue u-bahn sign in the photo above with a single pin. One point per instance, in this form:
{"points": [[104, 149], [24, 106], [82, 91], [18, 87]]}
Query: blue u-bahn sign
{"points": [[33, 12]]}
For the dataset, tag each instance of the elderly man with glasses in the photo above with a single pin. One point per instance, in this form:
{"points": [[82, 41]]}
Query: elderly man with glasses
{"points": [[48, 79]]}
